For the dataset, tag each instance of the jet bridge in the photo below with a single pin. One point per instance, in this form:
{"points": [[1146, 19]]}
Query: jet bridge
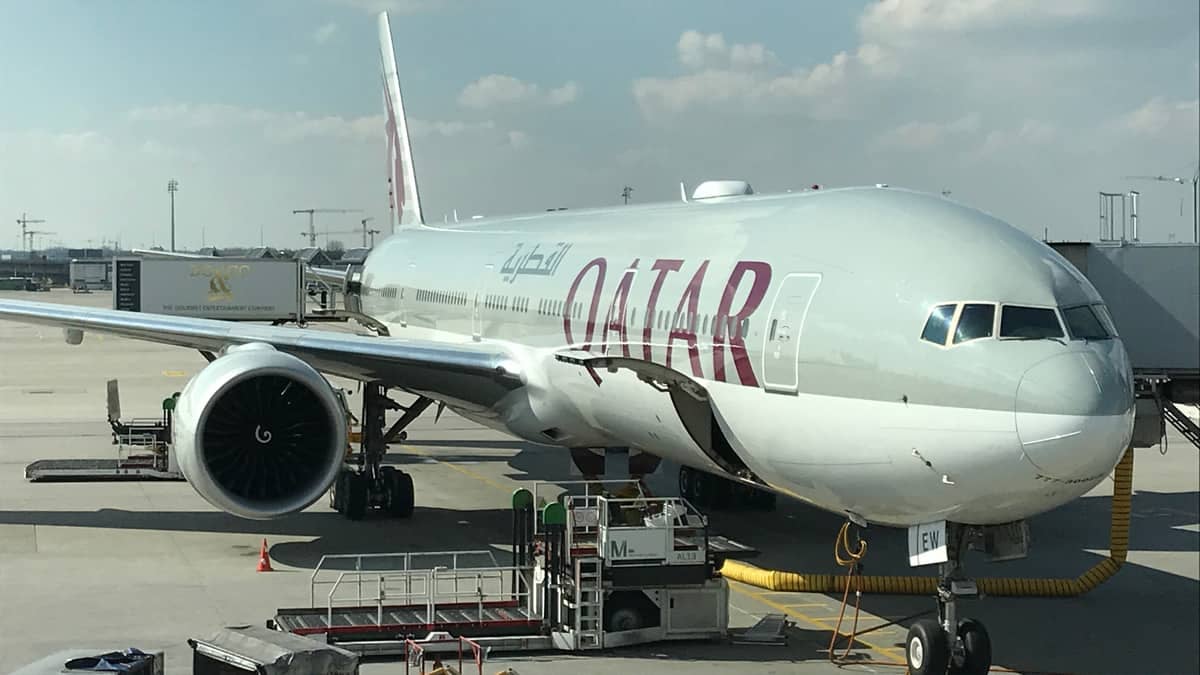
{"points": [[588, 570]]}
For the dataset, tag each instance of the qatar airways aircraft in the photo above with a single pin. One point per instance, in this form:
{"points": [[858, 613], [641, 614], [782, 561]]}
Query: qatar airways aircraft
{"points": [[888, 355]]}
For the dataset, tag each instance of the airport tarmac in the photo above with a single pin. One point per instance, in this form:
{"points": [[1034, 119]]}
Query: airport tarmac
{"points": [[149, 565]]}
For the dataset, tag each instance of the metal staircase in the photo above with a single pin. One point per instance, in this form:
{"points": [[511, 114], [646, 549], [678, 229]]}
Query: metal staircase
{"points": [[1182, 422], [589, 604]]}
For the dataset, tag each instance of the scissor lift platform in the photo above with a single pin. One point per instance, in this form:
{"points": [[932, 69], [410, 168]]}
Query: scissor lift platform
{"points": [[144, 450], [138, 467], [380, 623], [589, 571]]}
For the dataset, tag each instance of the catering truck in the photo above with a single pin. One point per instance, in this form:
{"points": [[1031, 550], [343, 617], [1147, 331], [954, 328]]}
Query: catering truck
{"points": [[233, 289]]}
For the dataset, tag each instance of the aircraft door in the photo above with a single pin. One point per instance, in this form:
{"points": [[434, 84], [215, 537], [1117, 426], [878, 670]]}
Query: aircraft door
{"points": [[781, 335], [477, 310]]}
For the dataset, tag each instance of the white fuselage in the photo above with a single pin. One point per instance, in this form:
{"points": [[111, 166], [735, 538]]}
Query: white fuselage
{"points": [[801, 316]]}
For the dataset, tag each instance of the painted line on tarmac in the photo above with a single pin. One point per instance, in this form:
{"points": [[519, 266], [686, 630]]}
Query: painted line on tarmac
{"points": [[461, 469], [740, 588]]}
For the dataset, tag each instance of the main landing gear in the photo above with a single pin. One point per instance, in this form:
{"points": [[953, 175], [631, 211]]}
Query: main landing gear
{"points": [[370, 485], [949, 644], [706, 490]]}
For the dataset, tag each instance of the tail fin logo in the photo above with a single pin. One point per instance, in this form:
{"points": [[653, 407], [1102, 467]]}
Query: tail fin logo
{"points": [[395, 161]]}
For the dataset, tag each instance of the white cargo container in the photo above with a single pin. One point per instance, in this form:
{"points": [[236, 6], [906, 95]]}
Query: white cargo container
{"points": [[90, 274], [235, 289]]}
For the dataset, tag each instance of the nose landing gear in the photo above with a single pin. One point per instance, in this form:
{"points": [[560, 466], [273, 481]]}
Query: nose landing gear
{"points": [[949, 644]]}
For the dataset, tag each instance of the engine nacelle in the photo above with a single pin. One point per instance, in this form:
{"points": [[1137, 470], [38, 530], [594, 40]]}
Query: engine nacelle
{"points": [[259, 433]]}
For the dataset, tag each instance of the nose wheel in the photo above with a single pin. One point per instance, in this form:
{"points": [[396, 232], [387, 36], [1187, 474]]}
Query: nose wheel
{"points": [[948, 645]]}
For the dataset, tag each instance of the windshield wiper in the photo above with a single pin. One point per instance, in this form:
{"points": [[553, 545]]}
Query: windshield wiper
{"points": [[1043, 337]]}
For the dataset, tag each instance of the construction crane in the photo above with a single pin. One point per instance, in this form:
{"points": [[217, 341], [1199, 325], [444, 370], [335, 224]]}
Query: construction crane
{"points": [[1195, 195], [312, 228], [26, 234], [366, 232]]}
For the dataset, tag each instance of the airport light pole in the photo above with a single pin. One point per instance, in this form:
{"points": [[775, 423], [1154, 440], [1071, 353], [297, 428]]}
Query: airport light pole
{"points": [[172, 188], [626, 192]]}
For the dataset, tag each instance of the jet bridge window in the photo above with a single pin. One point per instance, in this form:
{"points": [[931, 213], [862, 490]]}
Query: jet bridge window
{"points": [[1083, 324], [1029, 323], [937, 326], [974, 322]]}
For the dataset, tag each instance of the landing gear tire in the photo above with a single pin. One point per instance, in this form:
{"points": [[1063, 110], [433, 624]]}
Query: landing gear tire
{"points": [[401, 495], [973, 655], [926, 648], [357, 488], [337, 493], [708, 491], [687, 480]]}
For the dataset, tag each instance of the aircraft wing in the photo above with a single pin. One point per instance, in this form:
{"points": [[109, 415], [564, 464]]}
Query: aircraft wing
{"points": [[467, 374]]}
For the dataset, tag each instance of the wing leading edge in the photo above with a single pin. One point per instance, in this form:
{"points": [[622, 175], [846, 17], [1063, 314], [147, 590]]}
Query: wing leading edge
{"points": [[473, 375]]}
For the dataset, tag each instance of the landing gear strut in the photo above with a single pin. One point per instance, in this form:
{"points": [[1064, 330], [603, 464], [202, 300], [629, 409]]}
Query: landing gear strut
{"points": [[706, 490], [949, 644], [370, 485]]}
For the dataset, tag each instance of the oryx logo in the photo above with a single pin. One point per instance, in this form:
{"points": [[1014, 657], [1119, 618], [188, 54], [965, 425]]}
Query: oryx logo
{"points": [[395, 162], [218, 279]]}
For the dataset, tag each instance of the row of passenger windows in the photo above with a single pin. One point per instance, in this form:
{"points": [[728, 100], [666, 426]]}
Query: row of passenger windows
{"points": [[441, 297], [955, 323], [701, 324]]}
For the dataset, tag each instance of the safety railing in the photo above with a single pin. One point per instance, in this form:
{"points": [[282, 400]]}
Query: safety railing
{"points": [[415, 651], [326, 573], [677, 530], [432, 589]]}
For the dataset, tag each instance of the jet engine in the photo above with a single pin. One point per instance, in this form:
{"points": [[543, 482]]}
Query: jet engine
{"points": [[259, 433]]}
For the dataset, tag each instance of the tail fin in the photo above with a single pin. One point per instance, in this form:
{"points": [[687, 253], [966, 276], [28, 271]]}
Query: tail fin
{"points": [[405, 198]]}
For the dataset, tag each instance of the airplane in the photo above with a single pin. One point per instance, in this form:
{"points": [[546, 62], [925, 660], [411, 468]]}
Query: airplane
{"points": [[889, 355]]}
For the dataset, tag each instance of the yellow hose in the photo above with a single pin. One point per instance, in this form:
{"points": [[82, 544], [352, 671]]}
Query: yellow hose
{"points": [[779, 580]]}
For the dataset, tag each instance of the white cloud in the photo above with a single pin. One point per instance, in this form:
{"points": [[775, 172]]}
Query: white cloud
{"points": [[923, 135], [324, 33], [922, 17], [747, 76], [1030, 133], [518, 139], [698, 50], [499, 90], [1160, 118], [78, 144], [448, 129]]}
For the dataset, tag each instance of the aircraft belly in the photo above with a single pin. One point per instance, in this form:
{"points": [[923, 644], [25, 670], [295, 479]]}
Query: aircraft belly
{"points": [[891, 463], [625, 408]]}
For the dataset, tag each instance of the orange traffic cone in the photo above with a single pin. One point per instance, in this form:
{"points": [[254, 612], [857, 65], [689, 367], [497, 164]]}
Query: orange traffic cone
{"points": [[264, 560]]}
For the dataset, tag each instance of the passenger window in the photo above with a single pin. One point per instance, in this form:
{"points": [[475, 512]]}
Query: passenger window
{"points": [[1029, 323], [1083, 324], [975, 322], [937, 326]]}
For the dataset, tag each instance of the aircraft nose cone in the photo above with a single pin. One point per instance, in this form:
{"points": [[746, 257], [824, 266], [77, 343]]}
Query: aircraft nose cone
{"points": [[1074, 415]]}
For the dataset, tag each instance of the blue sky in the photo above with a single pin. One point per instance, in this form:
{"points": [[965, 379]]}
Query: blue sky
{"points": [[258, 107]]}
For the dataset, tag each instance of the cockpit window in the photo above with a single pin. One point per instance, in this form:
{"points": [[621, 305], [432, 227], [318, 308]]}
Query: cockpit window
{"points": [[937, 327], [1031, 323], [975, 322], [1083, 324], [1106, 319]]}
